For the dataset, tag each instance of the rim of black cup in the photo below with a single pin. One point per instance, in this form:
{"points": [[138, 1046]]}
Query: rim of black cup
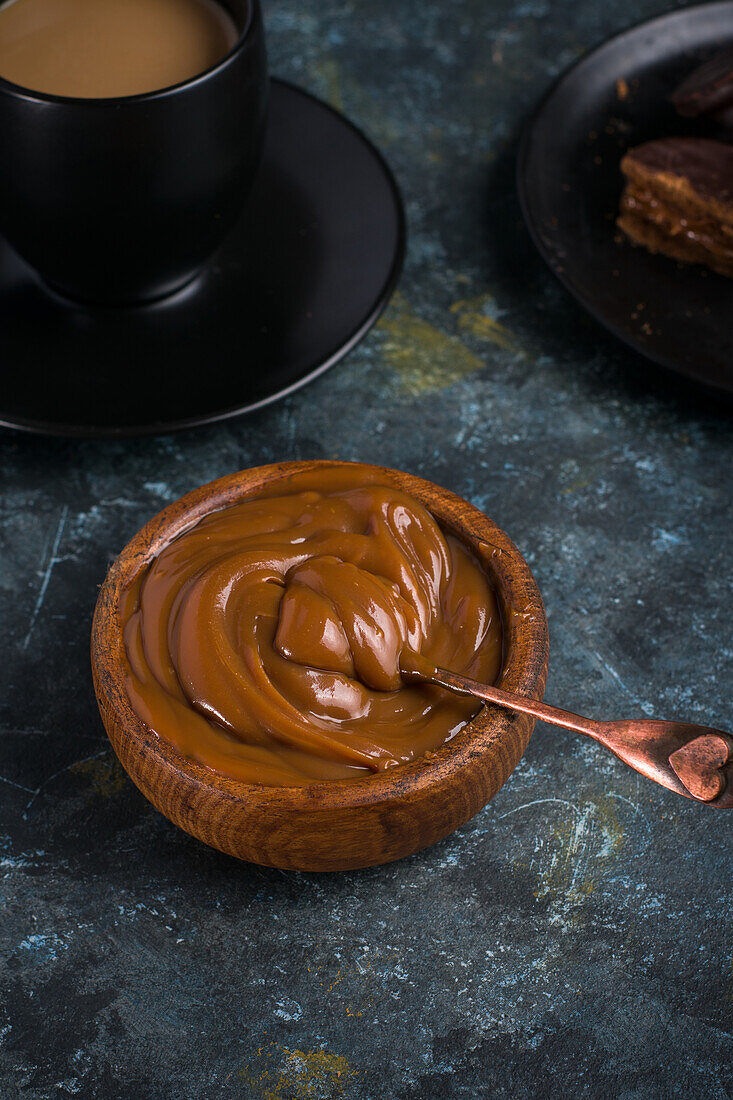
{"points": [[157, 93]]}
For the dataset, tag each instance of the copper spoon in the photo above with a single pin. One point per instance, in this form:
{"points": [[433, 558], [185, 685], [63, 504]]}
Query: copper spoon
{"points": [[695, 761]]}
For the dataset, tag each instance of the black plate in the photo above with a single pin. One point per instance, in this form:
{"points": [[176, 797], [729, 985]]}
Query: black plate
{"points": [[300, 281], [570, 183]]}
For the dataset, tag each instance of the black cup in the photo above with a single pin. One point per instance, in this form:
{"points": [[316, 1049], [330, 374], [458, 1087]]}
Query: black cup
{"points": [[123, 200]]}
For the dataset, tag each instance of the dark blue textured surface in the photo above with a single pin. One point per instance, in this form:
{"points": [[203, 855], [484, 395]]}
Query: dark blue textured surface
{"points": [[575, 938]]}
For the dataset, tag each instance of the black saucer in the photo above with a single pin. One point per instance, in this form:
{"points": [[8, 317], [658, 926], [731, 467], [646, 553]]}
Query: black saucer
{"points": [[570, 183], [302, 279]]}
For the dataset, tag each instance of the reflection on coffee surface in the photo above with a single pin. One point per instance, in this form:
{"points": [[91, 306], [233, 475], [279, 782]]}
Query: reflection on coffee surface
{"points": [[108, 48]]}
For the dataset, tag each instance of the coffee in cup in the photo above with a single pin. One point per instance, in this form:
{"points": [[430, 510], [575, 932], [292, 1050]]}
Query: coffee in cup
{"points": [[117, 194], [99, 49]]}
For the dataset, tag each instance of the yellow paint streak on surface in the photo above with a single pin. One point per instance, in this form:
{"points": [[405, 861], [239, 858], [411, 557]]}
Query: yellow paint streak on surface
{"points": [[426, 359], [474, 319], [578, 846], [106, 777], [575, 486], [284, 1074], [356, 976], [611, 829], [328, 73]]}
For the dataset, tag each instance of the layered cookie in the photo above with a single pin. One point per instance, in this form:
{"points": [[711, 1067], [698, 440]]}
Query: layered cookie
{"points": [[708, 90], [678, 200]]}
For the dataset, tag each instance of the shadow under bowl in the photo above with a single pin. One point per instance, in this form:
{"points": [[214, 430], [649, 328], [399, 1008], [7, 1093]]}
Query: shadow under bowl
{"points": [[344, 824]]}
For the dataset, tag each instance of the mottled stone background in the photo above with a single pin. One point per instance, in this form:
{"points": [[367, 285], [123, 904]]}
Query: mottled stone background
{"points": [[574, 940]]}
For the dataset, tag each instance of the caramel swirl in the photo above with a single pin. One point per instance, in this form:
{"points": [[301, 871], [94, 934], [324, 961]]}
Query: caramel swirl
{"points": [[266, 641]]}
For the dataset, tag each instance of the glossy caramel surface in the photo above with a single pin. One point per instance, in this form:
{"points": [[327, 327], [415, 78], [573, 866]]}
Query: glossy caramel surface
{"points": [[265, 641]]}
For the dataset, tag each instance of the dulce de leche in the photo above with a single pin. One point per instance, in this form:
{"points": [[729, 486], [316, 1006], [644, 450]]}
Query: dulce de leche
{"points": [[266, 640]]}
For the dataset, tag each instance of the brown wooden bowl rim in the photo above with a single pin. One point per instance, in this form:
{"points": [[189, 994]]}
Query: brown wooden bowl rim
{"points": [[525, 631]]}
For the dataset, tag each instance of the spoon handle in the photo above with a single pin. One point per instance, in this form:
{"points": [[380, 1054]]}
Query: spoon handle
{"points": [[695, 761], [554, 715]]}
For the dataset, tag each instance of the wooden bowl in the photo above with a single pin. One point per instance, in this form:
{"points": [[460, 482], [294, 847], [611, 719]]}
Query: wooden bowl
{"points": [[343, 824]]}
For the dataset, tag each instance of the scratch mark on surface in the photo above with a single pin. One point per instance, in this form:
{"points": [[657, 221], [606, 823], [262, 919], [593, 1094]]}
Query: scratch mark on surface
{"points": [[53, 559], [576, 854], [615, 676], [69, 767], [17, 731], [538, 802], [12, 783]]}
